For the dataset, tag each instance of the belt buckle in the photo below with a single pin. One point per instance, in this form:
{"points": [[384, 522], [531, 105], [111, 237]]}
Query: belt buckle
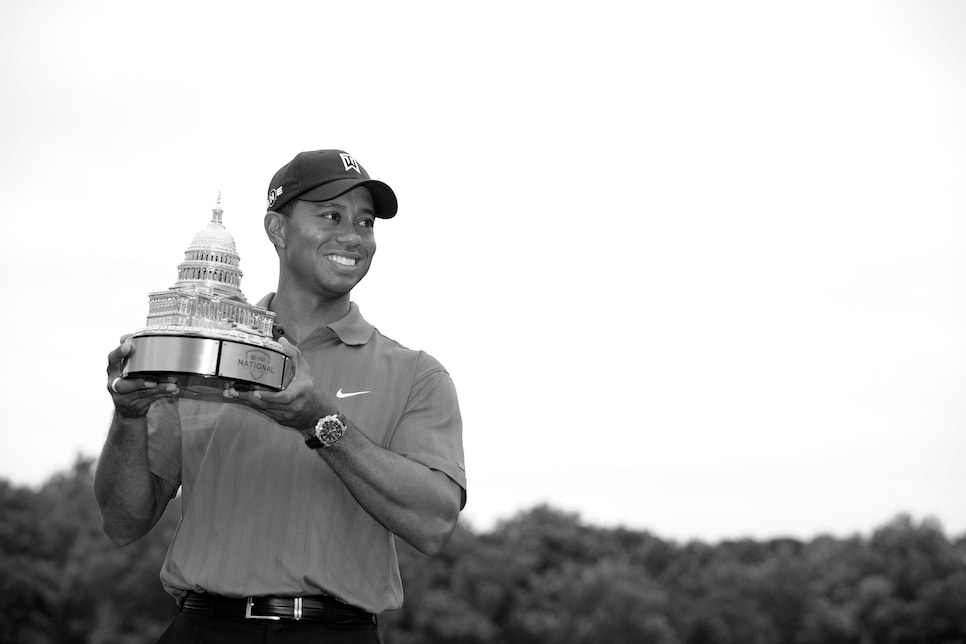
{"points": [[248, 612]]}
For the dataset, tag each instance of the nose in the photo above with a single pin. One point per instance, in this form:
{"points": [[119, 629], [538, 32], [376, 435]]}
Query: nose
{"points": [[349, 237]]}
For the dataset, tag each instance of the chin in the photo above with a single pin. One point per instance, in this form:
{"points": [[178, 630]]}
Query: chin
{"points": [[340, 287]]}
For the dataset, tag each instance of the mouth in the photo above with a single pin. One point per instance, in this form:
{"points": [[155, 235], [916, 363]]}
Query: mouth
{"points": [[342, 260]]}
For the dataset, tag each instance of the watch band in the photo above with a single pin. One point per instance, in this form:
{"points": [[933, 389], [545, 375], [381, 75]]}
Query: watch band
{"points": [[313, 442]]}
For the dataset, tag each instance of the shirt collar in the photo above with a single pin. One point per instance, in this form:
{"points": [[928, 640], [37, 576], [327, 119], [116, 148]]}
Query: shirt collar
{"points": [[352, 328]]}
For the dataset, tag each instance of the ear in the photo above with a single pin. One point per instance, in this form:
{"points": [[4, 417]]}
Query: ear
{"points": [[275, 226]]}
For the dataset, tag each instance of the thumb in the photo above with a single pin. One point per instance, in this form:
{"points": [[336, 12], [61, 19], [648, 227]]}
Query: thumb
{"points": [[298, 363], [126, 347], [290, 349]]}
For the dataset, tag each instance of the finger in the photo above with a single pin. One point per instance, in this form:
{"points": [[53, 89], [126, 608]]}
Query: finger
{"points": [[295, 355], [269, 397], [123, 387], [116, 358], [249, 399], [252, 397], [141, 387], [139, 406], [169, 386], [142, 402], [290, 349]]}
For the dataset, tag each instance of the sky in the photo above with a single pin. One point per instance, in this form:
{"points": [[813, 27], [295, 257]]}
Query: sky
{"points": [[695, 268]]}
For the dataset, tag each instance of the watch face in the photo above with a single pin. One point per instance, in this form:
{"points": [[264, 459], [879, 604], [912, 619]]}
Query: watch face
{"points": [[329, 430]]}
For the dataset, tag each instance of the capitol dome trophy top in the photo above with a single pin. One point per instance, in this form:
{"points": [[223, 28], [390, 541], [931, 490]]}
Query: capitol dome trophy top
{"points": [[203, 331]]}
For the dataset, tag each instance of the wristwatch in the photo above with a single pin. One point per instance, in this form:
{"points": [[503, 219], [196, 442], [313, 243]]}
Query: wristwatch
{"points": [[328, 431]]}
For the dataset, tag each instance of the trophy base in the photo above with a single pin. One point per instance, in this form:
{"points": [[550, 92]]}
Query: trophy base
{"points": [[206, 364]]}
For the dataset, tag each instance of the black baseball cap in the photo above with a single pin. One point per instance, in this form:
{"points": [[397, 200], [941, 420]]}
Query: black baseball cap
{"points": [[321, 175]]}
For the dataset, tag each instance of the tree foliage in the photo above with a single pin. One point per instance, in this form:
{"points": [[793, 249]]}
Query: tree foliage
{"points": [[542, 576], [62, 581]]}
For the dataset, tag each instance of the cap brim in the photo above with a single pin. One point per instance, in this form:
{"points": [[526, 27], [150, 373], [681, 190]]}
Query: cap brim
{"points": [[383, 198]]}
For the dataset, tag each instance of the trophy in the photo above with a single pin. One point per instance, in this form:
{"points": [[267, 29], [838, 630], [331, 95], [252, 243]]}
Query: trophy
{"points": [[203, 331]]}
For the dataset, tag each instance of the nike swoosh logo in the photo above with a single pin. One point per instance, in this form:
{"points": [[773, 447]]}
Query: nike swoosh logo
{"points": [[349, 394]]}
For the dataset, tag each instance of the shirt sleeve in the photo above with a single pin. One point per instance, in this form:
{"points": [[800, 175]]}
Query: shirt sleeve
{"points": [[164, 441], [430, 430]]}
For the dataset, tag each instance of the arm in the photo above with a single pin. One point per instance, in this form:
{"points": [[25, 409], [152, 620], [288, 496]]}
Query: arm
{"points": [[408, 498], [130, 497], [418, 504]]}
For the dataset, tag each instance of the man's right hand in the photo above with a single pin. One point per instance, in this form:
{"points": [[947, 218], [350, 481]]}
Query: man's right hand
{"points": [[133, 397]]}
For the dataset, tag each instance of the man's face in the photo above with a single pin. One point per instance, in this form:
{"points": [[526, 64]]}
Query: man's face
{"points": [[329, 245]]}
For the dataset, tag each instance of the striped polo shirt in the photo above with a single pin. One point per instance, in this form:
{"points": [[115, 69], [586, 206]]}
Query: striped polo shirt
{"points": [[262, 514]]}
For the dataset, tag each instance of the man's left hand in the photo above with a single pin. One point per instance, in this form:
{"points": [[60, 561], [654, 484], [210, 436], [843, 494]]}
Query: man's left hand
{"points": [[299, 406]]}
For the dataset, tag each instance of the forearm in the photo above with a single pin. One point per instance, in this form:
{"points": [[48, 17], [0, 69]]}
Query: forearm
{"points": [[417, 504], [412, 501], [124, 487]]}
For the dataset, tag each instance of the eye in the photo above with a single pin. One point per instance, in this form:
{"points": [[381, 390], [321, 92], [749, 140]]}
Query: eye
{"points": [[367, 222], [332, 216]]}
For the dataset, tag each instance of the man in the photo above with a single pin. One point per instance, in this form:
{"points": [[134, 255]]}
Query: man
{"points": [[290, 499]]}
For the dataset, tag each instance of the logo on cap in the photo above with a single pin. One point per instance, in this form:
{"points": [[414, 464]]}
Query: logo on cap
{"points": [[350, 163], [273, 195]]}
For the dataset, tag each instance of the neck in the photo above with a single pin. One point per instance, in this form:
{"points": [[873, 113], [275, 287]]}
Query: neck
{"points": [[301, 312]]}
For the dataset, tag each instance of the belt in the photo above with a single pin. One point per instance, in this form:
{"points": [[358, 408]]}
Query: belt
{"points": [[318, 608]]}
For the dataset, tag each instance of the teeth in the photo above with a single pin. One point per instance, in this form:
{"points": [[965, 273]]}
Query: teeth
{"points": [[344, 261]]}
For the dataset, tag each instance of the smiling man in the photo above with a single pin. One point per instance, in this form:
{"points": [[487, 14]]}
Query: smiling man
{"points": [[291, 499]]}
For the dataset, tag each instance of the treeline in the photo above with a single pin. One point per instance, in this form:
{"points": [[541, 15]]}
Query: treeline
{"points": [[541, 577]]}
